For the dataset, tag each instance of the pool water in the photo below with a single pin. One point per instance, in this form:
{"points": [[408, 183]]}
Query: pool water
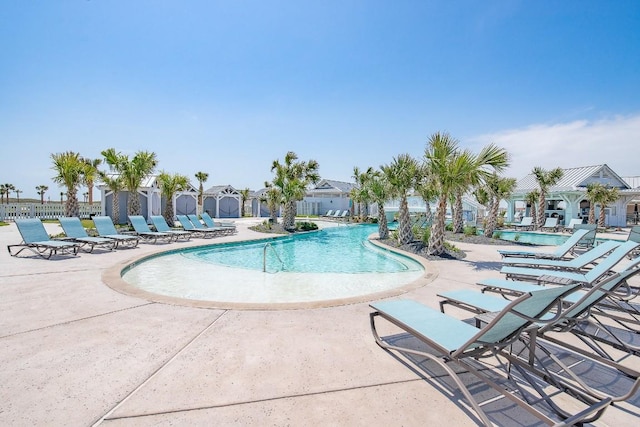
{"points": [[533, 238], [334, 263]]}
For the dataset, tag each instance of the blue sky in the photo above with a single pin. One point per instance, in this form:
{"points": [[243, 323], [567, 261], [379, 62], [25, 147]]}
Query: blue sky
{"points": [[226, 87]]}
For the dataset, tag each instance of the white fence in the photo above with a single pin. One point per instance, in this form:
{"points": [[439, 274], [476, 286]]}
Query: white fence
{"points": [[43, 211]]}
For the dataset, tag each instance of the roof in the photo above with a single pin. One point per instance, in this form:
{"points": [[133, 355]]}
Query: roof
{"points": [[632, 181], [576, 179], [331, 186], [217, 189]]}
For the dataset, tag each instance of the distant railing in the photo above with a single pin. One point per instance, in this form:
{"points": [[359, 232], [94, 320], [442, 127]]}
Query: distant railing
{"points": [[43, 211]]}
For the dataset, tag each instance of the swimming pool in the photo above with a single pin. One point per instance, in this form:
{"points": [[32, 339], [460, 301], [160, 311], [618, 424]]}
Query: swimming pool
{"points": [[334, 264]]}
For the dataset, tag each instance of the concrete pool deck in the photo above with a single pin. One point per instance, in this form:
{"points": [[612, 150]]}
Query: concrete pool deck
{"points": [[76, 352]]}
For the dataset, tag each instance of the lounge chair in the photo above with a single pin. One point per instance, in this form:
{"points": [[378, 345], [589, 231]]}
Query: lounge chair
{"points": [[605, 265], [200, 232], [142, 229], [550, 224], [457, 342], [329, 213], [74, 230], [634, 236], [578, 263], [200, 226], [229, 227], [36, 239], [589, 240], [560, 252], [525, 224], [106, 229], [570, 227], [161, 225]]}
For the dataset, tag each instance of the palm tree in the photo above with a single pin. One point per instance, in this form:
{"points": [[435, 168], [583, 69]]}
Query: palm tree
{"points": [[531, 198], [132, 172], [8, 188], [115, 185], [292, 178], [428, 191], [378, 191], [170, 184], [69, 168], [244, 194], [273, 199], [498, 188], [89, 175], [202, 178], [594, 194], [546, 179], [448, 168], [18, 195], [402, 175], [3, 191], [359, 194], [608, 196], [41, 189]]}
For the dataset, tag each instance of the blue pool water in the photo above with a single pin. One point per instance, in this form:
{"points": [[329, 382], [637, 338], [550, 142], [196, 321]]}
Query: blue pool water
{"points": [[332, 264]]}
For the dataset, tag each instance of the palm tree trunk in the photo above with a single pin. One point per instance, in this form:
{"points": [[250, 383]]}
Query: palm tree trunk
{"points": [[602, 217], [428, 213], [115, 207], [72, 209], [133, 203], [168, 212], [592, 213], [436, 239], [405, 234], [289, 215], [458, 222], [383, 227], [542, 207], [493, 216]]}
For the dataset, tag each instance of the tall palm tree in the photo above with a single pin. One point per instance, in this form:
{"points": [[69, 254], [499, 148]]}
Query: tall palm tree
{"points": [[3, 191], [546, 180], [69, 168], [202, 178], [498, 188], [594, 194], [244, 195], [133, 171], [379, 191], [89, 175], [8, 188], [170, 184], [402, 174], [448, 168], [531, 198], [273, 199], [115, 185], [608, 196], [41, 189], [491, 159], [292, 178], [428, 191], [17, 191], [359, 193]]}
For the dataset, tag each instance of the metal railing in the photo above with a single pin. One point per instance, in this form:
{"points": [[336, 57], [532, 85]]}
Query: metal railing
{"points": [[43, 211], [264, 256]]}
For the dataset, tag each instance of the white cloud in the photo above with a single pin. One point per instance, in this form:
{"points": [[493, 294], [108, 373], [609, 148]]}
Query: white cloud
{"points": [[614, 141]]}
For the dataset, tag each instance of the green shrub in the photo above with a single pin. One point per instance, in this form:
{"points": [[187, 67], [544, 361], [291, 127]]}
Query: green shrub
{"points": [[496, 235], [449, 226], [306, 226], [470, 230], [516, 238]]}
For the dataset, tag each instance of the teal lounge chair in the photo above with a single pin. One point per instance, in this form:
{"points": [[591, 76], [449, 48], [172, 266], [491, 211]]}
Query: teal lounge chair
{"points": [[550, 224], [329, 213], [525, 224], [106, 229], [229, 227], [589, 240], [200, 226], [36, 239], [142, 229], [570, 227], [634, 236], [161, 225], [605, 265], [560, 252], [455, 342], [74, 230], [578, 263], [199, 232]]}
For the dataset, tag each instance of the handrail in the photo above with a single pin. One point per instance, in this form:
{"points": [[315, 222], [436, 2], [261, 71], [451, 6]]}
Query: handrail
{"points": [[264, 256]]}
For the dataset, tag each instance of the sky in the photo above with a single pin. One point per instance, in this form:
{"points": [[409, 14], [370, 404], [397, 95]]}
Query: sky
{"points": [[227, 87]]}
